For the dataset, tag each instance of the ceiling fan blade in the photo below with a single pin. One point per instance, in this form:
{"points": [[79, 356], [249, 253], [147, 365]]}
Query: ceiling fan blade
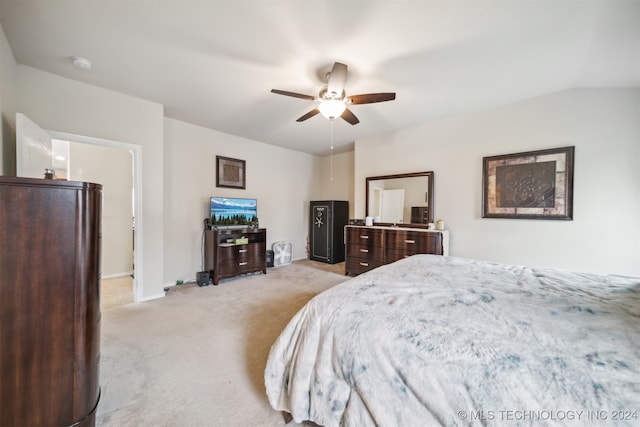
{"points": [[337, 78], [294, 94], [348, 116], [370, 98], [308, 115]]}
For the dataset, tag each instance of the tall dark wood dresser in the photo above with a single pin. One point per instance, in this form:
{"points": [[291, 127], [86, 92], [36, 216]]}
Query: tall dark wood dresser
{"points": [[49, 302]]}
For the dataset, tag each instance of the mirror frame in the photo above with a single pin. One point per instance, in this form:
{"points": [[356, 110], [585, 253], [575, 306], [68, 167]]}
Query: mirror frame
{"points": [[429, 190]]}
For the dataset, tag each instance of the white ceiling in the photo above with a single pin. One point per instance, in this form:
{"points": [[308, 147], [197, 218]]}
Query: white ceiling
{"points": [[213, 63]]}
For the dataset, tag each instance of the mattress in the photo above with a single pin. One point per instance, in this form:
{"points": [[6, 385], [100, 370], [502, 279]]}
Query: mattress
{"points": [[433, 340]]}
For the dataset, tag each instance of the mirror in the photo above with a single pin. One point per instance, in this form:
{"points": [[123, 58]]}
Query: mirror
{"points": [[402, 199]]}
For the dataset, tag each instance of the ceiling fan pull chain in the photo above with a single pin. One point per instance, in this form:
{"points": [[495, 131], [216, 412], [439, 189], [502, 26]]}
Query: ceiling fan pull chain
{"points": [[331, 160]]}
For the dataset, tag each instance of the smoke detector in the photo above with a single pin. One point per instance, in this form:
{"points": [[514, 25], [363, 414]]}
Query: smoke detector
{"points": [[82, 63]]}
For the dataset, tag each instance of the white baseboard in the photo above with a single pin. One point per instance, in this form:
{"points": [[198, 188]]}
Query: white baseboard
{"points": [[113, 276], [152, 297]]}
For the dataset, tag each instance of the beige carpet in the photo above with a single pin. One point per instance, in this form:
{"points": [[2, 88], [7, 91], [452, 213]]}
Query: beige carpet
{"points": [[116, 291], [197, 356]]}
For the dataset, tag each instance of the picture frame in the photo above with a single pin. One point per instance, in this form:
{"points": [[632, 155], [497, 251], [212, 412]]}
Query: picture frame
{"points": [[230, 173], [529, 185]]}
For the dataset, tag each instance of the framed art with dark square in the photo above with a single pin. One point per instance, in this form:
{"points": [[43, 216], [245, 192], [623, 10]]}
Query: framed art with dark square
{"points": [[529, 185], [230, 173]]}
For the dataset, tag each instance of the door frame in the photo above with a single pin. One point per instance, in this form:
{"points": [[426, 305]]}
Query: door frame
{"points": [[137, 197]]}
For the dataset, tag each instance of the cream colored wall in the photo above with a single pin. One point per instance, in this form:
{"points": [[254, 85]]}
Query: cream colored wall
{"points": [[603, 125], [178, 171], [335, 179], [64, 105], [283, 182], [113, 168], [8, 68]]}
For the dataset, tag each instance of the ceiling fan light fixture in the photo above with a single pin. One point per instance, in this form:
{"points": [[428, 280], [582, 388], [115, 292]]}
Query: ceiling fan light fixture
{"points": [[332, 108], [332, 99]]}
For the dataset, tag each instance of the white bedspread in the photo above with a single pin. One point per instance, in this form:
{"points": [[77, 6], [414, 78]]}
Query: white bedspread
{"points": [[434, 340]]}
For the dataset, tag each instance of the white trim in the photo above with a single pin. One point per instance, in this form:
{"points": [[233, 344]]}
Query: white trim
{"points": [[137, 209], [116, 275], [152, 297]]}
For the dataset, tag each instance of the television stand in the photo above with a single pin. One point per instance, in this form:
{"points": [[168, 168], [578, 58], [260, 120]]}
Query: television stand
{"points": [[225, 255]]}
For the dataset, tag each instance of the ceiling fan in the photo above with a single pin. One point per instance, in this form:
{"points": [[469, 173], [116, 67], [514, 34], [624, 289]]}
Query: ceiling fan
{"points": [[332, 99]]}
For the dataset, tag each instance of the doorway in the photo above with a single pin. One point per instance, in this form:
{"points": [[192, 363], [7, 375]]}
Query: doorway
{"points": [[121, 213], [36, 151]]}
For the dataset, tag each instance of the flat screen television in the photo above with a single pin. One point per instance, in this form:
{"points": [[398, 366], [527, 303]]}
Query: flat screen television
{"points": [[233, 211]]}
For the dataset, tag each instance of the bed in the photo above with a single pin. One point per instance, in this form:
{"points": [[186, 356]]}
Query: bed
{"points": [[433, 340]]}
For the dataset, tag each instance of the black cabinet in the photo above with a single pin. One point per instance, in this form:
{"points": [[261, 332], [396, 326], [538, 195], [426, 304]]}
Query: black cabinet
{"points": [[327, 219]]}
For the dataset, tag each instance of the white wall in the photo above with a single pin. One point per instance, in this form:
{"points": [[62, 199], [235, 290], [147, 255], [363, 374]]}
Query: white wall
{"points": [[8, 68], [68, 106], [113, 168], [603, 125], [282, 181]]}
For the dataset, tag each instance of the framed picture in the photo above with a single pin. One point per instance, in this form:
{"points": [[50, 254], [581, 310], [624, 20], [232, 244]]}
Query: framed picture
{"points": [[531, 185], [230, 173]]}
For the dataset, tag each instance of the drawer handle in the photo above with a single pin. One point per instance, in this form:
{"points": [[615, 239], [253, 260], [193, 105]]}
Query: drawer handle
{"points": [[364, 250], [364, 237], [242, 250], [364, 264], [243, 263], [409, 241]]}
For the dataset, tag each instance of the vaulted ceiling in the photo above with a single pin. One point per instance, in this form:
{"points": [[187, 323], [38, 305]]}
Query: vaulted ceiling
{"points": [[213, 63]]}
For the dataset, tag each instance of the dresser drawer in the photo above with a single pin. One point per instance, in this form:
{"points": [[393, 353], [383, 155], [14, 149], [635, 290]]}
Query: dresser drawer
{"points": [[241, 258], [251, 250], [365, 249], [415, 242], [355, 266], [365, 252], [252, 257], [363, 236], [395, 255]]}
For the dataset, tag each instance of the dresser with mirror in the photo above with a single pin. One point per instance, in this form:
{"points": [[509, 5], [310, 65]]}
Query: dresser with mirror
{"points": [[400, 199], [401, 207]]}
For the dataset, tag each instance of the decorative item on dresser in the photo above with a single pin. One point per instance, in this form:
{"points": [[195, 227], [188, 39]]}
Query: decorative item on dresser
{"points": [[229, 252], [326, 230], [49, 302], [371, 247]]}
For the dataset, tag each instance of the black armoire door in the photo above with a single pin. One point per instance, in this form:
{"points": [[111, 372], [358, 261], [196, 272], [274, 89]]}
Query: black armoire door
{"points": [[326, 230]]}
